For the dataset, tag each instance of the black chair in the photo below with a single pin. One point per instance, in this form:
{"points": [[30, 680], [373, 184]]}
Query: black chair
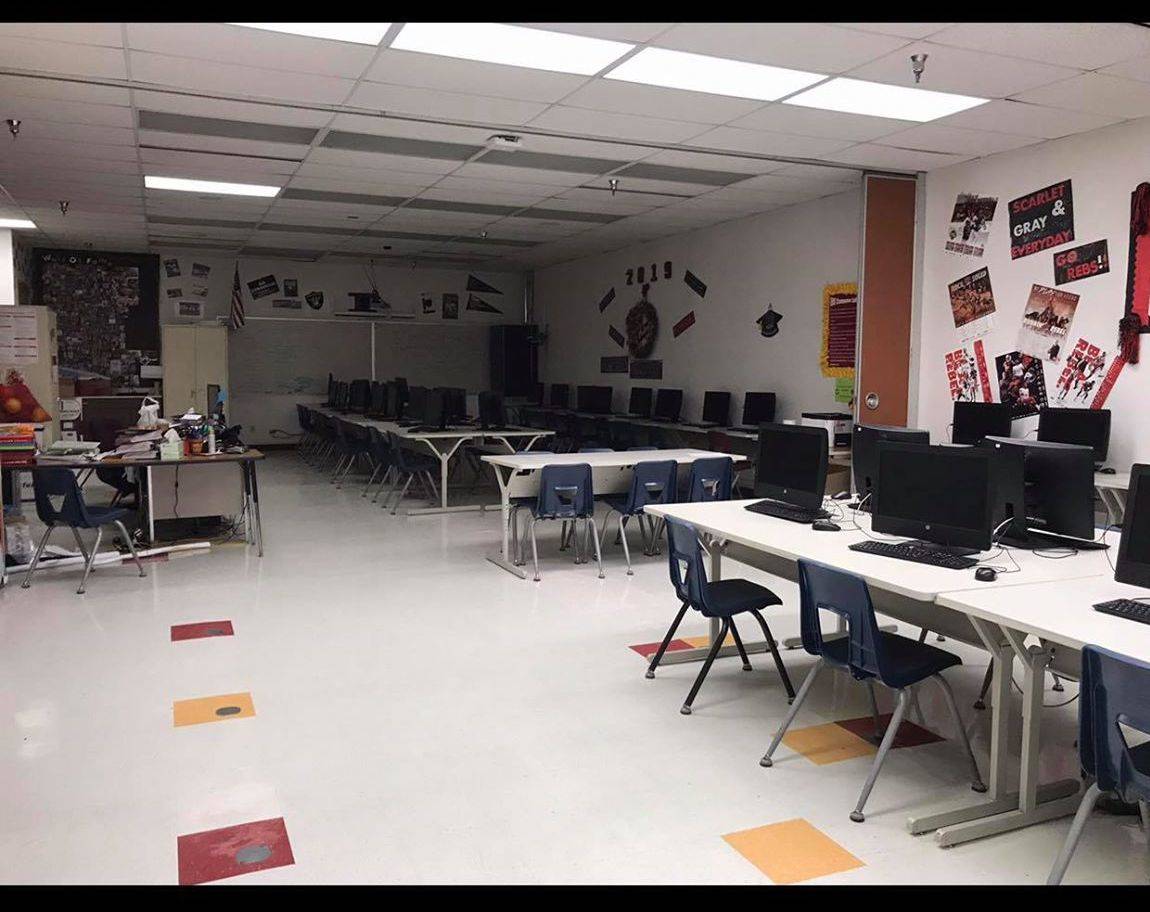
{"points": [[117, 477], [73, 512], [722, 600], [410, 466]]}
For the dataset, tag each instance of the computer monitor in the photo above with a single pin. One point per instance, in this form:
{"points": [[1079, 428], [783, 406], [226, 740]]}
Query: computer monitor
{"points": [[595, 400], [1058, 492], [716, 407], [454, 403], [341, 395], [1085, 427], [668, 403], [560, 395], [359, 395], [864, 454], [415, 409], [640, 403], [378, 403], [974, 421], [937, 494], [492, 413], [758, 408], [331, 389], [1133, 564], [537, 393], [792, 464], [435, 408]]}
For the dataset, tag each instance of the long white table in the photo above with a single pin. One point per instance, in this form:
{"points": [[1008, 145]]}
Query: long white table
{"points": [[518, 476], [937, 599], [1111, 489], [444, 445]]}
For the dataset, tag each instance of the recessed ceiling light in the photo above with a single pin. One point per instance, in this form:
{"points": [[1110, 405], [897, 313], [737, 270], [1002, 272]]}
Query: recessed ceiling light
{"points": [[854, 96], [16, 223], [716, 75], [514, 45], [202, 186], [359, 32]]}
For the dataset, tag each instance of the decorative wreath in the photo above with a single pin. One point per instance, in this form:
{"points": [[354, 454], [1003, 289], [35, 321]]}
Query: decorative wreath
{"points": [[642, 327]]}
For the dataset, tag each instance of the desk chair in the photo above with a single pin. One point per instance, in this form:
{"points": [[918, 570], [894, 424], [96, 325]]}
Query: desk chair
{"points": [[651, 483], [710, 478], [355, 442], [867, 654], [74, 513], [517, 504], [566, 493], [382, 460], [117, 478], [308, 435], [1114, 691], [722, 442], [722, 599], [410, 466]]}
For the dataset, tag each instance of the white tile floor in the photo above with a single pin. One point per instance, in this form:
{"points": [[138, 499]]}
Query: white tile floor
{"points": [[424, 717]]}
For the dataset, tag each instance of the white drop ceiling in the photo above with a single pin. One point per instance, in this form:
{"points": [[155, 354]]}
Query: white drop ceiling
{"points": [[383, 153]]}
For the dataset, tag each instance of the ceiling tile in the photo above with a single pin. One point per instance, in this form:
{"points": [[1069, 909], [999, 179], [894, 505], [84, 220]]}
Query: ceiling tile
{"points": [[33, 128], [1007, 115], [1086, 45], [382, 125], [223, 43], [515, 200], [1135, 68], [251, 82], [761, 142], [447, 74], [875, 156], [505, 173], [57, 57], [939, 138], [806, 46], [350, 159], [1095, 94], [255, 112], [782, 118], [620, 126], [966, 72], [634, 32], [438, 103], [106, 34], [731, 162], [188, 163], [634, 98], [902, 29], [63, 90]]}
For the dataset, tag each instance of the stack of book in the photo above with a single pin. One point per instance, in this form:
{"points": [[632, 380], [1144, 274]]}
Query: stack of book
{"points": [[17, 444]]}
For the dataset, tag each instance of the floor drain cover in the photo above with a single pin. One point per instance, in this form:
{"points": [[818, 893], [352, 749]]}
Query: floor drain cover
{"points": [[253, 854], [228, 710]]}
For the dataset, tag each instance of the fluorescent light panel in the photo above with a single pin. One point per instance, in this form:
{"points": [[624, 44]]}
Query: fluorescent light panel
{"points": [[358, 32], [203, 186], [16, 223], [513, 45], [715, 75], [876, 99]]}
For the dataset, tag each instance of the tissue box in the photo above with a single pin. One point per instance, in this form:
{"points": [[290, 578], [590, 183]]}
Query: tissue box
{"points": [[171, 449]]}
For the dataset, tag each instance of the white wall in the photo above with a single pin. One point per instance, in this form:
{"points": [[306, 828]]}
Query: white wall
{"points": [[267, 409], [1105, 166], [783, 258]]}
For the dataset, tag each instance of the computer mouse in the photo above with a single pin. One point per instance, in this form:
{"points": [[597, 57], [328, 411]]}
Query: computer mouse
{"points": [[986, 574], [1107, 470], [825, 525]]}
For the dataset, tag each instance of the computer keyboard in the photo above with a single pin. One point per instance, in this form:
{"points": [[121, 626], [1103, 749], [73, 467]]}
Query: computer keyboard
{"points": [[1126, 608], [917, 553], [787, 511]]}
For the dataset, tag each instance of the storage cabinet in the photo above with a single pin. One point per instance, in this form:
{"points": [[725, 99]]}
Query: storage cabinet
{"points": [[195, 362]]}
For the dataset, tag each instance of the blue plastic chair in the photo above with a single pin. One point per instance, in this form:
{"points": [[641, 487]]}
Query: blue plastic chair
{"points": [[517, 504], [1114, 691], [867, 654], [651, 483], [73, 512], [566, 494], [710, 478], [721, 599], [410, 466], [382, 461]]}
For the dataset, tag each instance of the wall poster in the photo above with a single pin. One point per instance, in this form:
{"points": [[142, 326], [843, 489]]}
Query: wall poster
{"points": [[840, 327], [962, 375], [1046, 322], [972, 304], [1021, 383], [970, 224], [1041, 220], [1081, 262], [1083, 370]]}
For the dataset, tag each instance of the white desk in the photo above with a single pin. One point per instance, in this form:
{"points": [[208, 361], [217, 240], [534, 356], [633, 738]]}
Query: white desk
{"points": [[1112, 491], [444, 445], [935, 598], [518, 476]]}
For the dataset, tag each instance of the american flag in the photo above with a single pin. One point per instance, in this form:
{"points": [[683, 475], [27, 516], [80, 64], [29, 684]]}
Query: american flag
{"points": [[237, 319]]}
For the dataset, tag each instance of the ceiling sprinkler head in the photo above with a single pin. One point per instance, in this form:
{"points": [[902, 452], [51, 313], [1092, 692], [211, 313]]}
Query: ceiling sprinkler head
{"points": [[483, 234], [613, 183], [13, 127], [64, 204], [917, 65], [508, 141]]}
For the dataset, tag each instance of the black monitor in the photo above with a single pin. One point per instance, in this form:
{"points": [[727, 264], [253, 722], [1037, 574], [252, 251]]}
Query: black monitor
{"points": [[640, 403], [1133, 564], [792, 464], [668, 403], [454, 403], [1085, 427], [359, 395], [594, 399], [937, 494], [537, 393], [415, 409], [717, 407], [1058, 492], [758, 408], [975, 421], [331, 383], [560, 395], [341, 395], [402, 394], [378, 404], [864, 454], [492, 413], [435, 409]]}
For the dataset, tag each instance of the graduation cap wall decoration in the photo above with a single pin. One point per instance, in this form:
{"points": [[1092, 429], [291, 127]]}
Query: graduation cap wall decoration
{"points": [[769, 322]]}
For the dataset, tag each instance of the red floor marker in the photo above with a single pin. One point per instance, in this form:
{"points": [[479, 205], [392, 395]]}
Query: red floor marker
{"points": [[646, 650], [202, 629], [909, 734], [231, 851]]}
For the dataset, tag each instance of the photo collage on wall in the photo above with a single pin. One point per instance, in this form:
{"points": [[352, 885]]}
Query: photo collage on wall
{"points": [[1039, 221]]}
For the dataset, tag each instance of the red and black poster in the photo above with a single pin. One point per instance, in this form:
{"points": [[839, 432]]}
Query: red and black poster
{"points": [[1138, 268], [1041, 220], [1081, 262], [1021, 383]]}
